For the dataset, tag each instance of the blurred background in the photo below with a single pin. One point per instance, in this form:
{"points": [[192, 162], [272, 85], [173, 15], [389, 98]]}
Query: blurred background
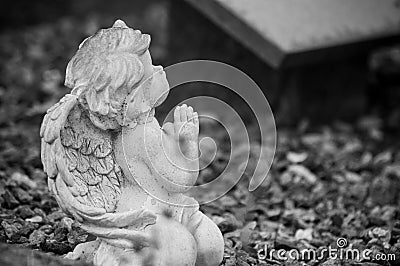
{"points": [[340, 74]]}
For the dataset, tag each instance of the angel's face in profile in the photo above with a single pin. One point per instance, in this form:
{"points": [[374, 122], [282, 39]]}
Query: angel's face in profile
{"points": [[145, 98]]}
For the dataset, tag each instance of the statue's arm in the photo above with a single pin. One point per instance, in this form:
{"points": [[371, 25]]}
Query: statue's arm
{"points": [[169, 152], [182, 158], [180, 145]]}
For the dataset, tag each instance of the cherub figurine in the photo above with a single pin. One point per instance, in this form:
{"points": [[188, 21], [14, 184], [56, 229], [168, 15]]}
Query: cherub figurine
{"points": [[112, 167]]}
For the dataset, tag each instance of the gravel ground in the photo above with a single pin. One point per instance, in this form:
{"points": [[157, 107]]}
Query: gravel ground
{"points": [[337, 181]]}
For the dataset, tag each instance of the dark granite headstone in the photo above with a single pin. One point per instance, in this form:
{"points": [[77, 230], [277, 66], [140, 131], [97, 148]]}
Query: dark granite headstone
{"points": [[277, 31], [310, 56]]}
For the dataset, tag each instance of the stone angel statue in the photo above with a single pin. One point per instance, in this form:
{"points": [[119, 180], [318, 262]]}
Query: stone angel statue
{"points": [[115, 170]]}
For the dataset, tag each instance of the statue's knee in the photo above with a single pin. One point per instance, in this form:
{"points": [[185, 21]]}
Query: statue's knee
{"points": [[210, 256], [210, 251]]}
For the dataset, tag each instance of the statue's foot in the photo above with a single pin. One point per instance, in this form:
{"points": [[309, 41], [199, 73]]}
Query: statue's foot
{"points": [[172, 245], [84, 252]]}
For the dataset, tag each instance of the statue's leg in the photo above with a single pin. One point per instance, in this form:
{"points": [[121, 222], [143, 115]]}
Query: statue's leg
{"points": [[210, 243]]}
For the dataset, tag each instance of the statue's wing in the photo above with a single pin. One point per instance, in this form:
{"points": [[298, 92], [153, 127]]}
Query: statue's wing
{"points": [[82, 171]]}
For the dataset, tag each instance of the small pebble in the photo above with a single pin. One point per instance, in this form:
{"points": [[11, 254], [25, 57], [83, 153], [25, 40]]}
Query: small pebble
{"points": [[55, 216], [11, 231], [23, 180], [27, 228], [22, 195], [35, 219], [48, 229], [67, 223], [37, 237], [304, 234], [25, 212], [10, 201]]}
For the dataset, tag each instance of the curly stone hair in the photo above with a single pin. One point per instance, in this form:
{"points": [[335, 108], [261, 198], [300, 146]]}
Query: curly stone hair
{"points": [[105, 69]]}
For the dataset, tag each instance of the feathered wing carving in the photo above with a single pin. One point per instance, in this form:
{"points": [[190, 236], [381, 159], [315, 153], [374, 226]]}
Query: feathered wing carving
{"points": [[84, 176], [90, 160]]}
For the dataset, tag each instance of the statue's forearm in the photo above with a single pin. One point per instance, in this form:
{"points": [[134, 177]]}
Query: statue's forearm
{"points": [[186, 170], [190, 149]]}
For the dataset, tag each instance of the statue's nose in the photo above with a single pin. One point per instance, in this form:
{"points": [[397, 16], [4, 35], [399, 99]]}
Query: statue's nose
{"points": [[157, 68]]}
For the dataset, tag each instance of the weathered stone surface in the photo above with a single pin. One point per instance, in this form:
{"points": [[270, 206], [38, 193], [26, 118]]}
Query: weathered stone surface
{"points": [[115, 170]]}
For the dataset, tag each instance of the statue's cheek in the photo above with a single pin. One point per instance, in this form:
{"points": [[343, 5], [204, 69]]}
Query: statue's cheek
{"points": [[160, 89]]}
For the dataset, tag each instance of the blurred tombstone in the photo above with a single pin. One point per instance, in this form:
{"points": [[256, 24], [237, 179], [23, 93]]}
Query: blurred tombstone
{"points": [[384, 89], [309, 56]]}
